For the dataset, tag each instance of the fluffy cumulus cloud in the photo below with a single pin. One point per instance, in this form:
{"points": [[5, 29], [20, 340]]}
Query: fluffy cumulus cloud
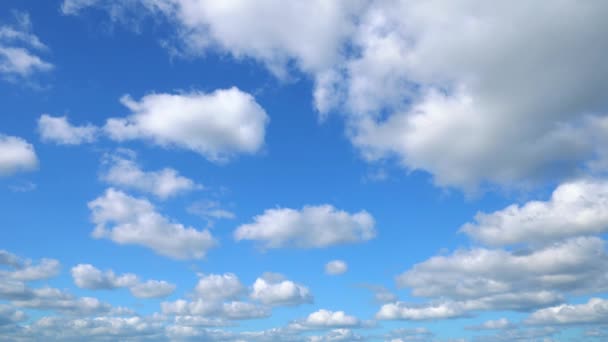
{"points": [[274, 289], [336, 267], [16, 155], [122, 170], [595, 311], [20, 49], [59, 130], [575, 208], [23, 270], [219, 287], [455, 108], [89, 277], [308, 35], [324, 319], [417, 81], [129, 220], [483, 279], [311, 227], [216, 125]]}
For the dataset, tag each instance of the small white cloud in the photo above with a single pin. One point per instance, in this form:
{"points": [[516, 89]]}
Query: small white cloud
{"points": [[152, 289], [595, 311], [60, 131], [19, 48], [216, 125], [336, 267], [88, 277], [310, 227], [16, 155], [324, 319], [273, 289], [124, 171], [218, 287], [128, 220], [210, 210]]}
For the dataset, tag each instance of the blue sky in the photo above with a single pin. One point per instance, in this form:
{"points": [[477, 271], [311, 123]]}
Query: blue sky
{"points": [[303, 171]]}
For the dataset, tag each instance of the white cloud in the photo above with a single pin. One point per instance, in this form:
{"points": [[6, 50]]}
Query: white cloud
{"points": [[219, 287], [216, 125], [47, 298], [59, 130], [152, 289], [16, 155], [210, 210], [574, 265], [336, 267], [417, 81], [497, 324], [100, 328], [337, 335], [479, 279], [125, 172], [273, 289], [128, 220], [323, 319], [88, 277], [230, 310], [311, 227], [521, 301], [575, 208], [26, 270], [10, 315], [466, 113], [47, 268], [595, 311], [70, 7], [19, 48]]}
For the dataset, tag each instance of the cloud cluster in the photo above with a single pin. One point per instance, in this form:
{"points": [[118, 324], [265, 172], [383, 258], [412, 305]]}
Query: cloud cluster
{"points": [[20, 49], [417, 82], [88, 277]]}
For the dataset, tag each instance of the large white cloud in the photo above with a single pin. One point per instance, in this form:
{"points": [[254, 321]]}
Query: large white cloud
{"points": [[129, 220], [16, 155], [575, 208], [20, 49], [59, 130], [89, 277], [595, 311], [481, 279], [123, 171], [468, 98], [274, 289], [310, 227], [216, 125]]}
